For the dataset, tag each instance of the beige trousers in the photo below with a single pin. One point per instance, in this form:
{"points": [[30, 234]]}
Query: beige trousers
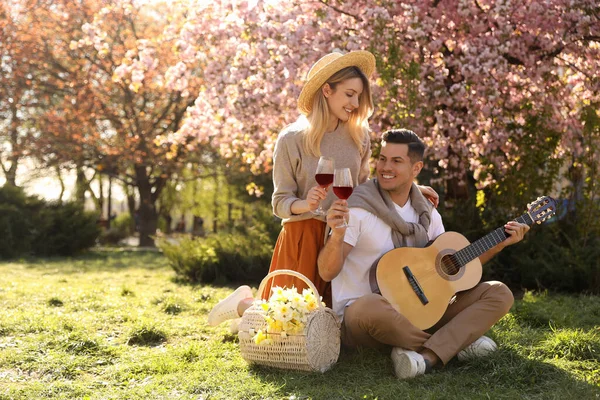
{"points": [[372, 322]]}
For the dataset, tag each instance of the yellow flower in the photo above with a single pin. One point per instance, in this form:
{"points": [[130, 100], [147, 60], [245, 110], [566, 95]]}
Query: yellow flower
{"points": [[286, 312], [259, 337]]}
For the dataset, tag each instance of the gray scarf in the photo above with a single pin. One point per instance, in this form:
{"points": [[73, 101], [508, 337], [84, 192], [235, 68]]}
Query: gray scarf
{"points": [[370, 197]]}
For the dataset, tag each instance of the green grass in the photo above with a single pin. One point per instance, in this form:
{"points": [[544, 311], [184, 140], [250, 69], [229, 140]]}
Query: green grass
{"points": [[118, 325]]}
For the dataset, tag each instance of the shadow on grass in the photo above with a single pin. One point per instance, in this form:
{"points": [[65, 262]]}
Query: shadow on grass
{"points": [[117, 259], [368, 374]]}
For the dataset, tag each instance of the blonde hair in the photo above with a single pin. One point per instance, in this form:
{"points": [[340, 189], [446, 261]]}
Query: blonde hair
{"points": [[319, 117]]}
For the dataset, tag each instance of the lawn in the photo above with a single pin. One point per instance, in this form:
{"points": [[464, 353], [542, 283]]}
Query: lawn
{"points": [[118, 325]]}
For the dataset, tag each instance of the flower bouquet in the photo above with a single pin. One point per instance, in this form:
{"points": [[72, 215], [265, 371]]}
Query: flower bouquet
{"points": [[286, 313]]}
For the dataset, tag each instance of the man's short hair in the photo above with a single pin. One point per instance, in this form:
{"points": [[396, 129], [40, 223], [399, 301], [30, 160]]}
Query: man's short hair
{"points": [[416, 147]]}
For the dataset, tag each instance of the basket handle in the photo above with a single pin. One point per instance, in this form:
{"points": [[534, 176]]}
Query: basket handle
{"points": [[293, 273]]}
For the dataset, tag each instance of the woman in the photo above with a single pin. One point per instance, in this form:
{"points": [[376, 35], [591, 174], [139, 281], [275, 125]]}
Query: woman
{"points": [[336, 103]]}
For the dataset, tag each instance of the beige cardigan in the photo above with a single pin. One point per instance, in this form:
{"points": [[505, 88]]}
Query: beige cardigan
{"points": [[294, 169]]}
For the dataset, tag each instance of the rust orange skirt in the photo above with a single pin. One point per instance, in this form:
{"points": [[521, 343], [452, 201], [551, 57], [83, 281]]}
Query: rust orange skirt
{"points": [[297, 248]]}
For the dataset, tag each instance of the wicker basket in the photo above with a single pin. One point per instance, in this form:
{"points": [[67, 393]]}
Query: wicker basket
{"points": [[315, 349]]}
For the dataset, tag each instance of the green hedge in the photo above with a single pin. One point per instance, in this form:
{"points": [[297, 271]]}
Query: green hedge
{"points": [[554, 257], [64, 229], [15, 228], [557, 255], [30, 226], [225, 257]]}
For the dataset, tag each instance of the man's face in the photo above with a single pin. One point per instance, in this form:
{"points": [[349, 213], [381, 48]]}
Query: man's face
{"points": [[395, 171]]}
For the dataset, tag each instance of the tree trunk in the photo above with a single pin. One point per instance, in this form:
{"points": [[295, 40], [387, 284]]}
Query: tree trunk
{"points": [[100, 203], [62, 183], [11, 173], [148, 217], [149, 194], [130, 193], [81, 184], [109, 206]]}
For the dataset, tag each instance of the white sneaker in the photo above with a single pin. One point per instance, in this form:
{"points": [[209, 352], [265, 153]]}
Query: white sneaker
{"points": [[227, 308], [407, 364], [479, 348]]}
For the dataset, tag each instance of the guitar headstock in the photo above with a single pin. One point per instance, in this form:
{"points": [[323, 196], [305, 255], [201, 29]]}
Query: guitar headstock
{"points": [[542, 209]]}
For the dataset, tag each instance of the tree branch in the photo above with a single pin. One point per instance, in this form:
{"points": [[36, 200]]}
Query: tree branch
{"points": [[339, 10]]}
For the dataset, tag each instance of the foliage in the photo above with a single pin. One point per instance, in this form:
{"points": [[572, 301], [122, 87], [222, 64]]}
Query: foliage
{"points": [[64, 229], [15, 230], [86, 355], [120, 228], [29, 225], [220, 257], [123, 222], [552, 256], [19, 91], [471, 89], [113, 89], [192, 259]]}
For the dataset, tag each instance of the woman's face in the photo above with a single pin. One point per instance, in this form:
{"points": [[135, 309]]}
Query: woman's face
{"points": [[343, 100]]}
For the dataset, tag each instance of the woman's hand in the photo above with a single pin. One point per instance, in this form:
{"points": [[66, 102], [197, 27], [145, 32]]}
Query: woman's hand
{"points": [[430, 194], [315, 195]]}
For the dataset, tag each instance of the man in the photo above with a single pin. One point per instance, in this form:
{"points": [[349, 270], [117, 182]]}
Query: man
{"points": [[385, 213]]}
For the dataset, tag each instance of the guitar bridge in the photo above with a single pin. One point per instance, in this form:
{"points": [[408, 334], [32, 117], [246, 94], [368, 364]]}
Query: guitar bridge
{"points": [[414, 283]]}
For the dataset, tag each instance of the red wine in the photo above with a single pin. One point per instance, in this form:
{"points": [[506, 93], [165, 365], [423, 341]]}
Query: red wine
{"points": [[343, 192], [324, 179]]}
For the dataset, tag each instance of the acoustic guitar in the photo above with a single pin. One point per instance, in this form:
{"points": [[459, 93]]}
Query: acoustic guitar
{"points": [[420, 282]]}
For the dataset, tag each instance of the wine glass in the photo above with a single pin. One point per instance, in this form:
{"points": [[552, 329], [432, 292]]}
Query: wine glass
{"points": [[343, 187], [324, 177]]}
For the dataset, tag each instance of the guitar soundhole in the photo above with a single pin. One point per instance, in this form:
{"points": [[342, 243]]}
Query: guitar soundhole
{"points": [[449, 265]]}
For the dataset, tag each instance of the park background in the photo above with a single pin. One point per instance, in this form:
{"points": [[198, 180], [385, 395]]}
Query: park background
{"points": [[154, 110]]}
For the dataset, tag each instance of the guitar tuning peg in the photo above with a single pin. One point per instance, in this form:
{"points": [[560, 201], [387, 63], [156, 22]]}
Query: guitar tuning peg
{"points": [[538, 222]]}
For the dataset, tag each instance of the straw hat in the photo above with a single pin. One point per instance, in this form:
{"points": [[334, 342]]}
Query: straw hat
{"points": [[329, 65]]}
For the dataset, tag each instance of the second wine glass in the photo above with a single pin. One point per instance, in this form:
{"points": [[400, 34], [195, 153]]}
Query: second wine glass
{"points": [[343, 186], [324, 177]]}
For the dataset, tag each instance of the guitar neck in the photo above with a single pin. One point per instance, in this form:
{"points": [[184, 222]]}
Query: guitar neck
{"points": [[490, 240]]}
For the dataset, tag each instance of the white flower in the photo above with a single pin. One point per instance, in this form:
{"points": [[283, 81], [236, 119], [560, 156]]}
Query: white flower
{"points": [[286, 312]]}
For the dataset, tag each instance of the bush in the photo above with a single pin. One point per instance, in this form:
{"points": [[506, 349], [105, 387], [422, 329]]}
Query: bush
{"points": [[15, 231], [29, 225], [220, 257], [120, 228], [556, 255], [64, 229], [123, 223], [192, 259], [111, 236], [243, 257], [551, 257]]}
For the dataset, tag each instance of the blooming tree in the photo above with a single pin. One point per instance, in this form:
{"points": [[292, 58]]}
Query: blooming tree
{"points": [[495, 87], [485, 82], [120, 92], [19, 104]]}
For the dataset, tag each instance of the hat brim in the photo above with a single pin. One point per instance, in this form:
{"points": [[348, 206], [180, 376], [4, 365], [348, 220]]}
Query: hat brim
{"points": [[364, 60]]}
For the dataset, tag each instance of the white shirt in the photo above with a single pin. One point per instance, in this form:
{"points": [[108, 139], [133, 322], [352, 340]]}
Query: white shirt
{"points": [[371, 238]]}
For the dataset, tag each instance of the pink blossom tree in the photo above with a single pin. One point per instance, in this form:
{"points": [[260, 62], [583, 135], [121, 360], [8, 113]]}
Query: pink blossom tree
{"points": [[485, 82]]}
